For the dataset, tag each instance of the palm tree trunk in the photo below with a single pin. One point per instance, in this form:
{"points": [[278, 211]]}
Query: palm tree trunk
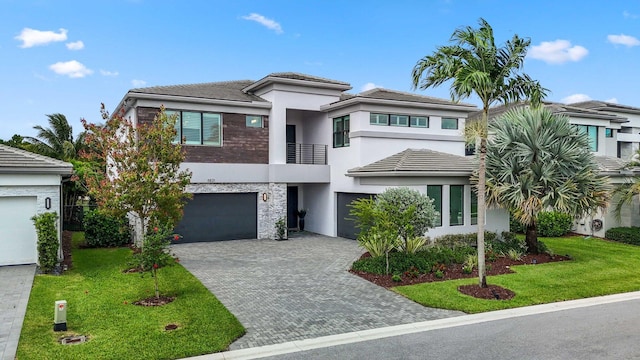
{"points": [[482, 271], [531, 238]]}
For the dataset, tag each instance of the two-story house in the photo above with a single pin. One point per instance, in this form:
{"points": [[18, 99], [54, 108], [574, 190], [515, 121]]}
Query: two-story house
{"points": [[261, 150]]}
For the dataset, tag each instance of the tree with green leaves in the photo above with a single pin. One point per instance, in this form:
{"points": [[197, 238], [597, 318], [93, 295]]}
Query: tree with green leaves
{"points": [[538, 161], [476, 66], [142, 175]]}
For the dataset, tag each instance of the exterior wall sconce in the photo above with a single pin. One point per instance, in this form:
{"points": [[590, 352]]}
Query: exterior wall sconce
{"points": [[264, 196], [47, 203]]}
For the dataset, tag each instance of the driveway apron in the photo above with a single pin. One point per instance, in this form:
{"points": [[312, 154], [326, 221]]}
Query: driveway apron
{"points": [[15, 287], [296, 289]]}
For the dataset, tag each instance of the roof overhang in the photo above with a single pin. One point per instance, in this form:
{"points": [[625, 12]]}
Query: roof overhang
{"points": [[399, 103], [307, 83], [128, 101], [37, 170], [408, 173]]}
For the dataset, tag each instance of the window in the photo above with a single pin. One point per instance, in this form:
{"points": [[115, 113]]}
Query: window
{"points": [[449, 123], [592, 132], [435, 192], [474, 208], [399, 120], [379, 119], [419, 121], [608, 133], [341, 131], [254, 121], [456, 205], [197, 128]]}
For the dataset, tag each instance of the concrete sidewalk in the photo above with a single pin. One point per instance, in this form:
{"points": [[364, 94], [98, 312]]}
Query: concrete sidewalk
{"points": [[15, 285]]}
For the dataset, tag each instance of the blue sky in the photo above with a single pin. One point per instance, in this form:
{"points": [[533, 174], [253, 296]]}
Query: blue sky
{"points": [[69, 56]]}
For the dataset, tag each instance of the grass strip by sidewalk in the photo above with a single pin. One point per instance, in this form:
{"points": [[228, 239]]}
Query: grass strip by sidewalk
{"points": [[598, 268], [100, 298]]}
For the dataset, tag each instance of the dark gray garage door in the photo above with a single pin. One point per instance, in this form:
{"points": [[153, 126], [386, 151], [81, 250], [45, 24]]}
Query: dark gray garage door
{"points": [[215, 217], [346, 226]]}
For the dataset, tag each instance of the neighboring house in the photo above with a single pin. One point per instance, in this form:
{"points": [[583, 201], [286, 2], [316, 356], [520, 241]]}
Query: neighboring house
{"points": [[261, 150], [612, 141], [30, 184]]}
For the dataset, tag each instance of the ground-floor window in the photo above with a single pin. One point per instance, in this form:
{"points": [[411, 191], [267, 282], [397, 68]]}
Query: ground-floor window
{"points": [[456, 205], [435, 192]]}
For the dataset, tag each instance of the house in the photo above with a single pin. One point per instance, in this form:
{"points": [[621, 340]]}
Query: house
{"points": [[261, 150], [30, 184], [612, 130]]}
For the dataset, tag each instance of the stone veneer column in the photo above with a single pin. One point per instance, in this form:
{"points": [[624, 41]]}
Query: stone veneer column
{"points": [[277, 206]]}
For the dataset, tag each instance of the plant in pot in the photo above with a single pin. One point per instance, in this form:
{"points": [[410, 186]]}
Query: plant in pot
{"points": [[301, 214]]}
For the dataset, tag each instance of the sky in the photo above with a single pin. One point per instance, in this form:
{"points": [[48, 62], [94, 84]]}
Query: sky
{"points": [[69, 56]]}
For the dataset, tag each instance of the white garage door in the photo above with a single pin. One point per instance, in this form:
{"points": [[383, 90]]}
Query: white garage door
{"points": [[17, 234]]}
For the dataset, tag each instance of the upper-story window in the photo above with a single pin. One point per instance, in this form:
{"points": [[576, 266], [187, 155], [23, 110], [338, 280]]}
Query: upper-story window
{"points": [[198, 128], [449, 123], [592, 132], [399, 120], [379, 119], [254, 121], [419, 121], [608, 133], [341, 131]]}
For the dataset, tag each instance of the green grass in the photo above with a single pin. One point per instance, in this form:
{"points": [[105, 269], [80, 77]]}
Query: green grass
{"points": [[100, 298], [598, 268]]}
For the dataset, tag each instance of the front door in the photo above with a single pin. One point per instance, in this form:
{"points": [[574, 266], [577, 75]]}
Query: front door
{"points": [[292, 207], [291, 144]]}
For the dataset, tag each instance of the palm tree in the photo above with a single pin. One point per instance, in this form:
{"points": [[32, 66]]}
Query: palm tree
{"points": [[538, 161], [476, 66], [57, 140]]}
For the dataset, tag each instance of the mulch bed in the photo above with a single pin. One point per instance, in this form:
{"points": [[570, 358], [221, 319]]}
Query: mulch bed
{"points": [[500, 266], [153, 301]]}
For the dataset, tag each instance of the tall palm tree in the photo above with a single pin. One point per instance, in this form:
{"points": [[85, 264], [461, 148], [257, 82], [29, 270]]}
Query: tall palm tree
{"points": [[476, 66], [57, 140], [538, 161]]}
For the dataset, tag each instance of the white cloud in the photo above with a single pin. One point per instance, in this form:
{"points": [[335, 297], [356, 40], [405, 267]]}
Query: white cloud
{"points": [[108, 73], [612, 100], [138, 83], [575, 98], [77, 45], [268, 23], [557, 52], [72, 69], [31, 37], [369, 86], [623, 39], [628, 15]]}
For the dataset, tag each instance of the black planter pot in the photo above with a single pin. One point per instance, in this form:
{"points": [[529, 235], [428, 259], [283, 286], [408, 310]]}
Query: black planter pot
{"points": [[301, 224]]}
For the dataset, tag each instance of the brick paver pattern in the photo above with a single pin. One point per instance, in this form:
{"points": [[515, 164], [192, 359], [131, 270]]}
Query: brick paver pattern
{"points": [[15, 287], [296, 289]]}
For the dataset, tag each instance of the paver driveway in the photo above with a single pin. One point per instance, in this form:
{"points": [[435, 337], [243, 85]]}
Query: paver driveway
{"points": [[15, 287], [296, 289]]}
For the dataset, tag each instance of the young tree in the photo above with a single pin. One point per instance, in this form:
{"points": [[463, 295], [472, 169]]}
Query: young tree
{"points": [[538, 161], [141, 177], [475, 65]]}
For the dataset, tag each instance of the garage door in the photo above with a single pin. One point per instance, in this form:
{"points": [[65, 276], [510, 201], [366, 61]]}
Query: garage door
{"points": [[215, 217], [17, 233], [346, 226]]}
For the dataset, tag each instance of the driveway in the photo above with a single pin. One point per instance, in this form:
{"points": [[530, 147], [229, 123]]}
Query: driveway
{"points": [[296, 289], [15, 285]]}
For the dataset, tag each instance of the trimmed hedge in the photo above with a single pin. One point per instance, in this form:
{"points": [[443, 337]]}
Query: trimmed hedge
{"points": [[627, 235], [48, 243], [101, 230], [550, 224]]}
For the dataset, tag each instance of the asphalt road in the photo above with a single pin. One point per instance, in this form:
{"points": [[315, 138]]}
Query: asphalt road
{"points": [[607, 331]]}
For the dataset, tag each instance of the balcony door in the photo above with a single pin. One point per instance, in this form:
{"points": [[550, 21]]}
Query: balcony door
{"points": [[291, 144]]}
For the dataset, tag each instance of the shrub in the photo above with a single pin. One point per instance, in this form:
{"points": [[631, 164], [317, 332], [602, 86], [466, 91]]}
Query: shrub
{"points": [[398, 263], [470, 239], [627, 235], [553, 223], [155, 253], [102, 230], [414, 244], [507, 241], [515, 225], [48, 243], [377, 244]]}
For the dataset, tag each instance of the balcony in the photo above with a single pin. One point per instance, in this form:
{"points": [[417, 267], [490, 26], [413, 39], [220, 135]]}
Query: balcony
{"points": [[307, 154]]}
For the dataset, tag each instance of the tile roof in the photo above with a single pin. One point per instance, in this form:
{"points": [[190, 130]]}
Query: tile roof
{"points": [[418, 162], [13, 160], [299, 76], [386, 94], [606, 106], [224, 90], [556, 108]]}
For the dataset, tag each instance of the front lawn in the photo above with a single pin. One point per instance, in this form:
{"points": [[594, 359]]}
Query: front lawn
{"points": [[100, 297], [598, 267]]}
